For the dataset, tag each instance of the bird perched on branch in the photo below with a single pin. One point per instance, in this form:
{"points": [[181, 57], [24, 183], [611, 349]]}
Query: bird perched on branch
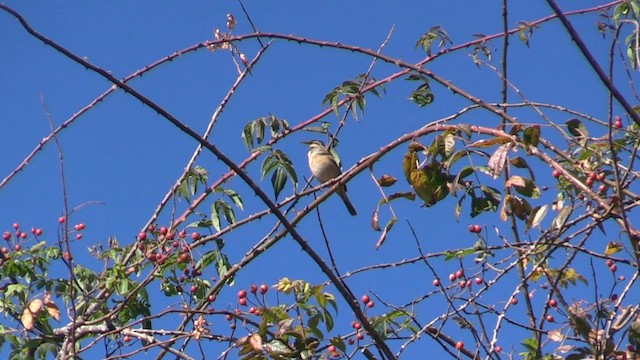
{"points": [[325, 167]]}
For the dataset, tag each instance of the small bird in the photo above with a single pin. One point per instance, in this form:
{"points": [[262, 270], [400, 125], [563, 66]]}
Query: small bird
{"points": [[324, 167]]}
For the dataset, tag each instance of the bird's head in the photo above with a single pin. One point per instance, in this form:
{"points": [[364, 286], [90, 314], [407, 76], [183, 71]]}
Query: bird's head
{"points": [[315, 146]]}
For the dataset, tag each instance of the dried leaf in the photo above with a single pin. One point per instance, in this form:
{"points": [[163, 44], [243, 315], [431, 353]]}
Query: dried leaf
{"points": [[30, 312], [499, 159], [555, 335], [490, 142], [256, 342], [35, 306], [27, 319], [386, 230], [387, 180], [53, 310]]}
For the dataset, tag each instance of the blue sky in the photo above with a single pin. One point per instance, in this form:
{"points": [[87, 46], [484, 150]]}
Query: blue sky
{"points": [[124, 156]]}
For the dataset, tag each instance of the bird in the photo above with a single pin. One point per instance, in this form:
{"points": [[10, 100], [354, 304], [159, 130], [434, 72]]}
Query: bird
{"points": [[324, 168]]}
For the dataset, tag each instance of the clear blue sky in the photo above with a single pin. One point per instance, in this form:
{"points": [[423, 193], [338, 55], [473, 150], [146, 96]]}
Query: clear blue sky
{"points": [[125, 156]]}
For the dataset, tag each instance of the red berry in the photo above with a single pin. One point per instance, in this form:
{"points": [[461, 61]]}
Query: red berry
{"points": [[242, 294], [471, 228], [5, 250], [602, 188], [331, 348], [228, 317], [151, 256], [436, 282], [253, 288], [351, 341], [38, 232], [16, 226], [618, 123], [556, 173], [126, 338], [452, 277], [18, 247], [195, 236], [252, 309], [67, 256], [183, 257], [631, 348], [588, 182], [194, 288], [459, 345], [613, 268], [614, 297], [171, 235], [592, 176], [6, 235], [460, 274], [263, 289], [360, 336], [479, 280], [601, 176], [80, 226], [23, 235], [164, 230], [78, 236], [242, 301], [151, 228], [498, 349], [514, 301], [142, 236], [553, 302], [550, 318], [370, 304], [462, 284], [61, 220], [609, 263], [365, 299], [356, 325], [182, 234], [33, 230]]}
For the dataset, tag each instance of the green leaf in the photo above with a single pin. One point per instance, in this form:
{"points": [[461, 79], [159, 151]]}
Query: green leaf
{"points": [[215, 215], [577, 128], [524, 186], [532, 135], [561, 218], [428, 38], [537, 215], [228, 213], [207, 259], [247, 135], [278, 180], [223, 266], [446, 145], [235, 198]]}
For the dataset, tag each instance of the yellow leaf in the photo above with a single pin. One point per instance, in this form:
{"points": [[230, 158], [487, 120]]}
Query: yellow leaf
{"points": [[613, 247]]}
